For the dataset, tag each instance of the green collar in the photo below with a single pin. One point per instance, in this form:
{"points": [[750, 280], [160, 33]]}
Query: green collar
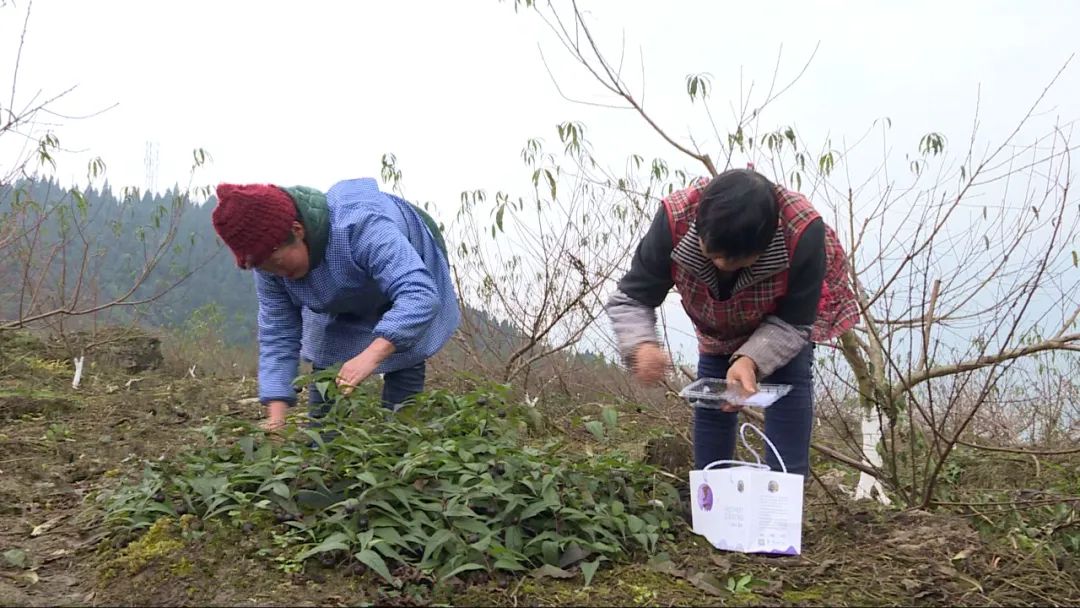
{"points": [[315, 215]]}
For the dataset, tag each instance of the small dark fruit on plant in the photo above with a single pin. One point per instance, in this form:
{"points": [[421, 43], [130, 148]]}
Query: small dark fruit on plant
{"points": [[159, 497], [181, 509], [499, 470], [282, 517], [362, 523], [481, 400], [328, 560], [502, 413], [350, 508], [248, 527], [359, 569]]}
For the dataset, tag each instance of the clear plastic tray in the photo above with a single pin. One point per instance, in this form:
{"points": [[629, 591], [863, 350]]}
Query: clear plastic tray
{"points": [[715, 392]]}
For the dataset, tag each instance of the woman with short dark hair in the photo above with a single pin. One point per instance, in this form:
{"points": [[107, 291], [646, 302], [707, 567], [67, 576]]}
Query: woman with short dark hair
{"points": [[762, 278]]}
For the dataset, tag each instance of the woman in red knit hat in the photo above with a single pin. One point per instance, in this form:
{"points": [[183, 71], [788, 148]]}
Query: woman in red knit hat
{"points": [[354, 277]]}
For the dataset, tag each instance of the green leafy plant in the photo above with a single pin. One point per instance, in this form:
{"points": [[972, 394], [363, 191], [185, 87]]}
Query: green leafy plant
{"points": [[602, 429], [58, 433], [739, 585], [447, 485]]}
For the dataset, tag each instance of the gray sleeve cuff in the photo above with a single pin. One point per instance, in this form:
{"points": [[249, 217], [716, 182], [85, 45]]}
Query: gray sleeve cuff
{"points": [[774, 344], [633, 323]]}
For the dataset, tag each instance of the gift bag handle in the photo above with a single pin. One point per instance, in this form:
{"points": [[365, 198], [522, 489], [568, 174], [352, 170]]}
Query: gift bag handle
{"points": [[756, 465], [705, 471], [746, 444]]}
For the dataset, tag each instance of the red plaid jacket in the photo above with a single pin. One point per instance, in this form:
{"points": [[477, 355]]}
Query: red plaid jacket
{"points": [[722, 326]]}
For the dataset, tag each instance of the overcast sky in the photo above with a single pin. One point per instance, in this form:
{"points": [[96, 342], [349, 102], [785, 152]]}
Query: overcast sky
{"points": [[313, 92]]}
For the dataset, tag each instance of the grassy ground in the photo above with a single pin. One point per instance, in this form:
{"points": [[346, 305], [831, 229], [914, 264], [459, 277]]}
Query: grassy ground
{"points": [[59, 448]]}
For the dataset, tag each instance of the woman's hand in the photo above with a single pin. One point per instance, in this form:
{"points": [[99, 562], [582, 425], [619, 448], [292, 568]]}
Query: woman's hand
{"points": [[651, 363], [275, 416], [359, 368], [741, 376], [354, 371]]}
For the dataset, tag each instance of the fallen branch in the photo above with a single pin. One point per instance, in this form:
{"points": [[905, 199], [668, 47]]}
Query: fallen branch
{"points": [[1020, 450], [828, 492], [1049, 500], [827, 451]]}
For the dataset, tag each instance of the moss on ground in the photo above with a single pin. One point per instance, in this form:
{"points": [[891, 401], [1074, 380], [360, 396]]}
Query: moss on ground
{"points": [[803, 596], [161, 541], [628, 585]]}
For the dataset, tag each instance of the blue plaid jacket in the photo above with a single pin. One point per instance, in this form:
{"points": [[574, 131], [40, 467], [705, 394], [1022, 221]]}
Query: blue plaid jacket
{"points": [[383, 275]]}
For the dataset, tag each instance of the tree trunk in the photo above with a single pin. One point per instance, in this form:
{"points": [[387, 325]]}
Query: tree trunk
{"points": [[869, 486], [869, 391]]}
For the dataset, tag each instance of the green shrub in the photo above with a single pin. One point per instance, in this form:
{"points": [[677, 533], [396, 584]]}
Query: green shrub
{"points": [[447, 485]]}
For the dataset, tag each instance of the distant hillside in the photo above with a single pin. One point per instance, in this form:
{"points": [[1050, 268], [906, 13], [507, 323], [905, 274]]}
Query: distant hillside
{"points": [[112, 224]]}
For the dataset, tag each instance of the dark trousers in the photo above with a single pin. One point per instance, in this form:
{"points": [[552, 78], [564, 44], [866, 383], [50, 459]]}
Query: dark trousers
{"points": [[398, 387], [788, 422]]}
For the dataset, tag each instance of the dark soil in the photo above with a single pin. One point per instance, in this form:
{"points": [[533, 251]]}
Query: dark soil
{"points": [[60, 447]]}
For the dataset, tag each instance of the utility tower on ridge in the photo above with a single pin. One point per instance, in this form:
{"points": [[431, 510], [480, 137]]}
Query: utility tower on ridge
{"points": [[151, 161]]}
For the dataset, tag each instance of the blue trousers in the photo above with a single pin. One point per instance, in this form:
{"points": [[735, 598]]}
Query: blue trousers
{"points": [[788, 422], [398, 387]]}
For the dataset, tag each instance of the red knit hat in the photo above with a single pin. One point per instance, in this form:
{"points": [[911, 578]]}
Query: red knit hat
{"points": [[253, 219]]}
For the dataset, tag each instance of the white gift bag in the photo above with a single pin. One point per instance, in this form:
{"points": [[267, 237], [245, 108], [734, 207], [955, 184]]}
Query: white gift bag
{"points": [[748, 508]]}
